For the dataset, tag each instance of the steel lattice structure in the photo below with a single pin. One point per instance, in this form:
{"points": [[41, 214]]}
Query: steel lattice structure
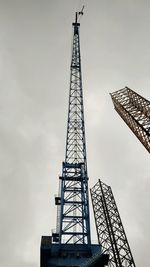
{"points": [[70, 244], [110, 231], [135, 111], [74, 224]]}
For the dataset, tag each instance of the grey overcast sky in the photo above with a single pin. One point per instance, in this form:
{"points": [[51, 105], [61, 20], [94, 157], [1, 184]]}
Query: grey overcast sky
{"points": [[35, 53]]}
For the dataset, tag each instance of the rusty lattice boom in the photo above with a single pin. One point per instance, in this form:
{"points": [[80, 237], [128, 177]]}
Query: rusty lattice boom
{"points": [[135, 111]]}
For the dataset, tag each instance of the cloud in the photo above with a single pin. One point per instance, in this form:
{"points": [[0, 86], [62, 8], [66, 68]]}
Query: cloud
{"points": [[34, 84]]}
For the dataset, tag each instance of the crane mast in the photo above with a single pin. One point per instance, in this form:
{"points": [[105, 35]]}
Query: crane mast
{"points": [[74, 212], [70, 245]]}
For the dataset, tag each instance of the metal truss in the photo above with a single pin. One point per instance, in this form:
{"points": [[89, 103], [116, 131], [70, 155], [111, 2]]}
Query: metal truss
{"points": [[110, 231], [135, 111], [75, 145], [74, 212]]}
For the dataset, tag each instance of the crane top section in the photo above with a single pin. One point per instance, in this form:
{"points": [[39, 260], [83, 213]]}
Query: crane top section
{"points": [[78, 15]]}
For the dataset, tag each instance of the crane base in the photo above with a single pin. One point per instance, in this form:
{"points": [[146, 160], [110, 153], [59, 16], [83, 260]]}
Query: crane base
{"points": [[63, 255]]}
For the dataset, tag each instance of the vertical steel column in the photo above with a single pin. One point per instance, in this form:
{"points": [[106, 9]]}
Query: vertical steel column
{"points": [[110, 231]]}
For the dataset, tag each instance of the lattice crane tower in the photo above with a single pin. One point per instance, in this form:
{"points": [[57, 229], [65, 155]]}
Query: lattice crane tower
{"points": [[110, 230], [71, 244]]}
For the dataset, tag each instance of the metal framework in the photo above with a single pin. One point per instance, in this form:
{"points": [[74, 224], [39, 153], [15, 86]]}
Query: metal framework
{"points": [[73, 222], [110, 231], [135, 111]]}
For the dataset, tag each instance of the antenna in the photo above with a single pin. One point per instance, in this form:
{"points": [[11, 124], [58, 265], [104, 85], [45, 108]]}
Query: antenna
{"points": [[79, 14]]}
